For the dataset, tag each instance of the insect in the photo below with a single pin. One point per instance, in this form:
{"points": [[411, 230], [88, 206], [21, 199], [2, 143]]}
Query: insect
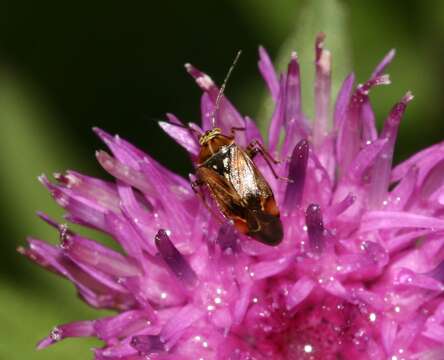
{"points": [[235, 183]]}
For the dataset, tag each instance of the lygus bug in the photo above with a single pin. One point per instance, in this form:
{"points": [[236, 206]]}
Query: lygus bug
{"points": [[235, 183]]}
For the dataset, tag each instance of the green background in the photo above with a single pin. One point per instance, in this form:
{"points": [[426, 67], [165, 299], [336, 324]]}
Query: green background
{"points": [[68, 66]]}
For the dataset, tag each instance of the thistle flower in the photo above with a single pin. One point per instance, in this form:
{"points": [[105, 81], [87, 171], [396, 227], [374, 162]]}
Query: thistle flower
{"points": [[358, 275]]}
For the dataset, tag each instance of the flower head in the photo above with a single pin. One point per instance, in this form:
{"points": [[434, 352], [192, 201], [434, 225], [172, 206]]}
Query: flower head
{"points": [[359, 273]]}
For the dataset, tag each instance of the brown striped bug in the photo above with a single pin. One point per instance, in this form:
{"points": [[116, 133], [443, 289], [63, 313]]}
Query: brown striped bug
{"points": [[235, 183]]}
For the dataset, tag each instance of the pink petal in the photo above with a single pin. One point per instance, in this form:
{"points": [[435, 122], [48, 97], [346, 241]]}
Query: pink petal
{"points": [[315, 228], [388, 332], [174, 259], [296, 175], [227, 116], [299, 292], [383, 64], [251, 130], [265, 269], [369, 132], [184, 318], [403, 192], [381, 172], [378, 220], [342, 101], [278, 118], [241, 305], [365, 160], [426, 158], [349, 139], [322, 91], [125, 324], [74, 329], [268, 72], [182, 135]]}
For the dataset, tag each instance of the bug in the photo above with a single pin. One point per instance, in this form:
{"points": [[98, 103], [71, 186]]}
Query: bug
{"points": [[235, 183]]}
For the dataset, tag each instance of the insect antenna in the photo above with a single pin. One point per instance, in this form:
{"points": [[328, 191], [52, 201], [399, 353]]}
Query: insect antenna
{"points": [[222, 89]]}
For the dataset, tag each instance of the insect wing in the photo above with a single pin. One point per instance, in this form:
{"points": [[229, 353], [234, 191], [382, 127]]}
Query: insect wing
{"points": [[246, 179], [225, 196], [261, 213]]}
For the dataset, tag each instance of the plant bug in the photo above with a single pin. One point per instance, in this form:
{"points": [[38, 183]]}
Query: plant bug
{"points": [[235, 183]]}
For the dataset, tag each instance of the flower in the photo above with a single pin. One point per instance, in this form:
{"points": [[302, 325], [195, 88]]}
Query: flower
{"points": [[358, 275]]}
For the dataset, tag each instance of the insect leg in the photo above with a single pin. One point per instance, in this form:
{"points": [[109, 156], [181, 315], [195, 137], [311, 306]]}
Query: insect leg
{"points": [[254, 148], [197, 188], [234, 129]]}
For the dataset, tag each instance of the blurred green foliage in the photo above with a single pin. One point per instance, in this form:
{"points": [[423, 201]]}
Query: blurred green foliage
{"points": [[65, 67]]}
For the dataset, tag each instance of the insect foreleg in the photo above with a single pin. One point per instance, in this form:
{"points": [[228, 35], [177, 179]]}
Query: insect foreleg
{"points": [[254, 148], [234, 129]]}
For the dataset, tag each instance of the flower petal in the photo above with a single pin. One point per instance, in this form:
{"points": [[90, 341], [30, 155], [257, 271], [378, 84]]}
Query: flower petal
{"points": [[315, 228], [268, 73], [227, 116], [125, 324], [74, 329], [174, 259], [349, 139], [383, 64], [381, 172], [182, 135], [322, 91], [342, 101], [277, 120], [296, 176], [299, 291], [378, 220]]}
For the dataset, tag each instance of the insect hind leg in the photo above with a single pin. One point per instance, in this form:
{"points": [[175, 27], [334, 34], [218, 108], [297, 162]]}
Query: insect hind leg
{"points": [[197, 188]]}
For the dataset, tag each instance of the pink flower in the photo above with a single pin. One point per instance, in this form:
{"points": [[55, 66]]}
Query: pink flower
{"points": [[359, 273]]}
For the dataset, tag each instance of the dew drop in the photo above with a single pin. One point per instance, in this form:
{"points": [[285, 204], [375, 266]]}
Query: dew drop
{"points": [[308, 348], [56, 334], [65, 236]]}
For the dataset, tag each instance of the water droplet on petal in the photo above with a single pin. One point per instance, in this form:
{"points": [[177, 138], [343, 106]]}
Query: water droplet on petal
{"points": [[56, 334], [308, 348]]}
